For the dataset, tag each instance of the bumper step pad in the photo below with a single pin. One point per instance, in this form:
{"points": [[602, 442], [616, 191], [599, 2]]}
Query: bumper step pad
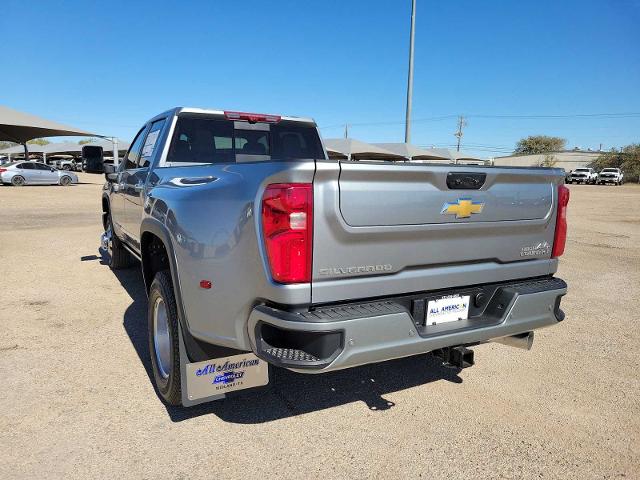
{"points": [[290, 354]]}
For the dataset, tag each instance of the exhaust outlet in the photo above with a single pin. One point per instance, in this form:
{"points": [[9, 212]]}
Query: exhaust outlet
{"points": [[522, 340]]}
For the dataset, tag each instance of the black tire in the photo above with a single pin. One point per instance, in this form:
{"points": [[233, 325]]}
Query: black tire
{"points": [[65, 181], [66, 167], [18, 181], [167, 384], [119, 257]]}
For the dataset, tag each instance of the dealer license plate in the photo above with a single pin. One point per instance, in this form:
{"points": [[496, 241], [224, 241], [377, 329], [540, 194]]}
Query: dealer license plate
{"points": [[448, 309]]}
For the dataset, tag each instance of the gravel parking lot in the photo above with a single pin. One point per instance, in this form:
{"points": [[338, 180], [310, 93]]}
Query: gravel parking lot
{"points": [[77, 400]]}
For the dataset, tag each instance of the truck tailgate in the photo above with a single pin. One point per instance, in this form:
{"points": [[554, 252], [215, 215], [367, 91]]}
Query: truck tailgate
{"points": [[383, 229], [383, 195]]}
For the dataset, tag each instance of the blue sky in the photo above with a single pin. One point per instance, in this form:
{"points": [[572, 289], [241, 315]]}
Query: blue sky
{"points": [[110, 67]]}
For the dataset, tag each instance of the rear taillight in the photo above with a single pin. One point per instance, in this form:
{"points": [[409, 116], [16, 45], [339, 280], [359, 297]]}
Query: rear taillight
{"points": [[252, 117], [561, 222], [287, 228], [3, 170]]}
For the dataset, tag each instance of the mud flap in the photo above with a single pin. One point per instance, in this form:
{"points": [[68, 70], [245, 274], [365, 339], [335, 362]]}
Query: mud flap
{"points": [[212, 379]]}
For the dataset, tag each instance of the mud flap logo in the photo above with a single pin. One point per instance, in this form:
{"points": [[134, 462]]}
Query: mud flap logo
{"points": [[228, 377], [227, 374]]}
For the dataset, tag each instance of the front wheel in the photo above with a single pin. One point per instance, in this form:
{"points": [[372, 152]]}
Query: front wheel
{"points": [[65, 181], [162, 319], [119, 257]]}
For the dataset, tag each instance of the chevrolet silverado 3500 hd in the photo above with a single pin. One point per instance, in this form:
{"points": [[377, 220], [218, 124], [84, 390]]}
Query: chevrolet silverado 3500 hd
{"points": [[257, 249]]}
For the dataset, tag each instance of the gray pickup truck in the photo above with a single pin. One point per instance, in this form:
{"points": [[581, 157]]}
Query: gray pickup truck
{"points": [[256, 249]]}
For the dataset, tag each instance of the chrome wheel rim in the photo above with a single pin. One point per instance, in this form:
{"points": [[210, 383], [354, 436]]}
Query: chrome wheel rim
{"points": [[161, 338], [18, 181]]}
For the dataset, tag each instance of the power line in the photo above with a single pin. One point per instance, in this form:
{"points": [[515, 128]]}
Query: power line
{"points": [[478, 115], [572, 115]]}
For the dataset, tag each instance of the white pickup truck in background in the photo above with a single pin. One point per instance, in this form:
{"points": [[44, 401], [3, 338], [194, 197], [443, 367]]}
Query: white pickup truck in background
{"points": [[583, 175], [610, 175]]}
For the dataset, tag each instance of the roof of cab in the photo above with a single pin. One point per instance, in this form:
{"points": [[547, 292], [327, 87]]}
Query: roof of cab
{"points": [[221, 112]]}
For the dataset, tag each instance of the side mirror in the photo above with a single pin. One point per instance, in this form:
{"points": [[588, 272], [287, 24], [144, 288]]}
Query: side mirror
{"points": [[110, 172]]}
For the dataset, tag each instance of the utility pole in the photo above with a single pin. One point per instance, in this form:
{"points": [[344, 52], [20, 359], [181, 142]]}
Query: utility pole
{"points": [[407, 128], [461, 124], [346, 130], [116, 157]]}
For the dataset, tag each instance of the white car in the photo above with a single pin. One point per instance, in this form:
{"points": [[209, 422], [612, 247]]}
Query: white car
{"points": [[610, 175], [35, 173], [66, 164], [583, 175]]}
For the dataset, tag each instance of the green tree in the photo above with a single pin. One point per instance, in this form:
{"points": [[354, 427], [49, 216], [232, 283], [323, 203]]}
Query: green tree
{"points": [[4, 145], [39, 141], [539, 144], [84, 141], [550, 160], [626, 158]]}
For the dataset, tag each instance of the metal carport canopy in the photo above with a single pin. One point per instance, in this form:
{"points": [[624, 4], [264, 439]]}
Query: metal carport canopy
{"points": [[357, 150], [68, 147], [20, 127], [33, 148], [412, 152]]}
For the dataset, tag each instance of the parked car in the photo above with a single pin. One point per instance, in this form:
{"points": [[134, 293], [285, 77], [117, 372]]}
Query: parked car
{"points": [[583, 175], [257, 249], [66, 164], [611, 175], [35, 173]]}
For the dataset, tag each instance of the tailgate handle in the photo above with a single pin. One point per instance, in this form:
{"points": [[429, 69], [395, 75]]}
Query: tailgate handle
{"points": [[465, 180]]}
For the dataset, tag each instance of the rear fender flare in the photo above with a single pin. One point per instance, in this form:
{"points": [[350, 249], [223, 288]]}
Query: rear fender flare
{"points": [[155, 227], [196, 350]]}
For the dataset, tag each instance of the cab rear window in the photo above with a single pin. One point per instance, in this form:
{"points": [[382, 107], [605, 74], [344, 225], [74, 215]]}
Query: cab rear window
{"points": [[201, 138]]}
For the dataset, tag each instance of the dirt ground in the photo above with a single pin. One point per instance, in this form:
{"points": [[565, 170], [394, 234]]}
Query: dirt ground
{"points": [[77, 400]]}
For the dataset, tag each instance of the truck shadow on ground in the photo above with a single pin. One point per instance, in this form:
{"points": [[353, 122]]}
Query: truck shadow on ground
{"points": [[289, 394]]}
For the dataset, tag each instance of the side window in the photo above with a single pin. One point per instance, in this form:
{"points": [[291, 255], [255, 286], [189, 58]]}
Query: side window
{"points": [[150, 143], [131, 160], [40, 166], [27, 166]]}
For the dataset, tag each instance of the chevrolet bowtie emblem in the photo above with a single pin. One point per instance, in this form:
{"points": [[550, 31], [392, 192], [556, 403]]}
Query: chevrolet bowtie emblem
{"points": [[462, 208]]}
